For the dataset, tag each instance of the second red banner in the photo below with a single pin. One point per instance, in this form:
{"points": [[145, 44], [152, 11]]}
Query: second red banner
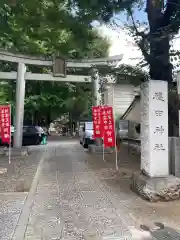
{"points": [[107, 126], [103, 124]]}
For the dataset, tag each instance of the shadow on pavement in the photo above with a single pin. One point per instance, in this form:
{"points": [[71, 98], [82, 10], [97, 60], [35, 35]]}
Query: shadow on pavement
{"points": [[161, 232]]}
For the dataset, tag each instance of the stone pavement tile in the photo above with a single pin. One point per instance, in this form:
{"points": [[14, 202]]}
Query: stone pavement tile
{"points": [[78, 167], [85, 177], [73, 204], [32, 237], [41, 217], [46, 179], [65, 177], [49, 205], [107, 217], [70, 215], [116, 231], [63, 188], [94, 197], [86, 184], [45, 226], [64, 167], [49, 227], [11, 203], [73, 229], [49, 198], [96, 201], [73, 190], [48, 188], [120, 188], [104, 221]]}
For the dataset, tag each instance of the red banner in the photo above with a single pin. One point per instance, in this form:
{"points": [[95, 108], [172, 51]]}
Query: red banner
{"points": [[5, 123], [107, 126], [96, 122]]}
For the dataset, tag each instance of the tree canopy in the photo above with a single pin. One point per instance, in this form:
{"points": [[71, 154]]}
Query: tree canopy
{"points": [[40, 27], [153, 39], [44, 27]]}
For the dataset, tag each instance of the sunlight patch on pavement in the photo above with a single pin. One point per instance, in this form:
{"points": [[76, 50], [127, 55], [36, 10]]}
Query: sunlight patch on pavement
{"points": [[139, 234]]}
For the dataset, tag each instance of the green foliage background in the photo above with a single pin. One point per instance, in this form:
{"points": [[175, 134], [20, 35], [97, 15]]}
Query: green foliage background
{"points": [[40, 27]]}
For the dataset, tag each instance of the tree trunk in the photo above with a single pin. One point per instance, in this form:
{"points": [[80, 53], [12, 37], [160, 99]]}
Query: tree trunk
{"points": [[36, 118], [70, 123], [48, 119], [160, 66], [159, 60], [32, 118]]}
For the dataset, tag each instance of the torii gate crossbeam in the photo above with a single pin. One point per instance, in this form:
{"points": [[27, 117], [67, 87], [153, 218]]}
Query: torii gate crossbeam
{"points": [[45, 77], [71, 63]]}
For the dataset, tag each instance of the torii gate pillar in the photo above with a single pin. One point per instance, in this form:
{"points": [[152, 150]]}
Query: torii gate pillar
{"points": [[19, 111], [96, 87]]}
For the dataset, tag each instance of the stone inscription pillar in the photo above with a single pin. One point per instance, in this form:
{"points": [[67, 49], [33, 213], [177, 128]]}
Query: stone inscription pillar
{"points": [[154, 182], [154, 128]]}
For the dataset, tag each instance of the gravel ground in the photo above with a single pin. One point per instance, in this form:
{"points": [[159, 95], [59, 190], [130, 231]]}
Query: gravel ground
{"points": [[20, 172]]}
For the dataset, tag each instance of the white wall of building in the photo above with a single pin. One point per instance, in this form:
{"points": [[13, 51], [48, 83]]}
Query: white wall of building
{"points": [[119, 96], [134, 114]]}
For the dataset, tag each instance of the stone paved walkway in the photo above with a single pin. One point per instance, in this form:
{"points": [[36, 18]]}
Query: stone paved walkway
{"points": [[74, 200], [70, 202]]}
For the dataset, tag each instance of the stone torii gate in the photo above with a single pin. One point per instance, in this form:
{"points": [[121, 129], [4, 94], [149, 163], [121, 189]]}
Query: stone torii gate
{"points": [[59, 66]]}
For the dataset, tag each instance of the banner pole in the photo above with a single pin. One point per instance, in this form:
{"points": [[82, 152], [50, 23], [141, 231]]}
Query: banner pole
{"points": [[10, 135], [103, 150], [117, 168], [116, 158], [102, 136]]}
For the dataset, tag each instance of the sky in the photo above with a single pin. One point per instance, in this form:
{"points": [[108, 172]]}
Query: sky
{"points": [[123, 43], [120, 40]]}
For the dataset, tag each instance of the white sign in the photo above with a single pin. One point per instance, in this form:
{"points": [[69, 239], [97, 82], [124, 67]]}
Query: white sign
{"points": [[88, 125], [178, 82]]}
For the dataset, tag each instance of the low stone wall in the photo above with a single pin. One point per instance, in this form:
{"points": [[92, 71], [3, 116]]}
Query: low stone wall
{"points": [[174, 156], [23, 151], [133, 148]]}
